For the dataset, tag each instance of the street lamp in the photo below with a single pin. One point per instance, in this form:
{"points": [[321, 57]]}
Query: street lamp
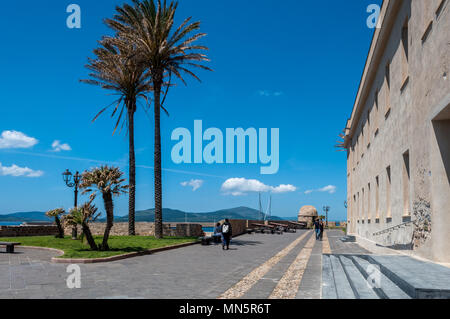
{"points": [[67, 177], [326, 209]]}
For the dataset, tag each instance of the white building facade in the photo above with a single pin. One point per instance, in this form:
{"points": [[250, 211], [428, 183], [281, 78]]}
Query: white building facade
{"points": [[398, 136]]}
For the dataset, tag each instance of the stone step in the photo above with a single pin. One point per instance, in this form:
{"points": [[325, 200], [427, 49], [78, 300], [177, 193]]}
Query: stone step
{"points": [[357, 281], [387, 289], [328, 285], [348, 239], [343, 288], [419, 279]]}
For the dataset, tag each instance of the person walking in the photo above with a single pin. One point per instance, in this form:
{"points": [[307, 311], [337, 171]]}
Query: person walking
{"points": [[317, 228], [226, 234], [321, 225]]}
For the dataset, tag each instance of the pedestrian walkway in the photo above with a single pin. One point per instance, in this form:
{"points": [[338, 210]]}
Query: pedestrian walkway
{"points": [[191, 272], [257, 266]]}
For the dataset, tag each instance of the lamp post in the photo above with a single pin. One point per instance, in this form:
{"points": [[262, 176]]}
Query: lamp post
{"points": [[326, 209], [67, 177]]}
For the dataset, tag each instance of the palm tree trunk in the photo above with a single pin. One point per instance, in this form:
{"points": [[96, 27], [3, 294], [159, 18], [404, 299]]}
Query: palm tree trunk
{"points": [[89, 237], [157, 159], [107, 199], [60, 228], [132, 175]]}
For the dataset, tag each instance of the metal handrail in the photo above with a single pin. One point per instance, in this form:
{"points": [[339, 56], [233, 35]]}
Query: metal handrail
{"points": [[393, 227]]}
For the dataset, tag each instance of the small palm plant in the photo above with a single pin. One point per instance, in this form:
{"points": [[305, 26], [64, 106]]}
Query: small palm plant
{"points": [[83, 216], [108, 182], [165, 51], [56, 213]]}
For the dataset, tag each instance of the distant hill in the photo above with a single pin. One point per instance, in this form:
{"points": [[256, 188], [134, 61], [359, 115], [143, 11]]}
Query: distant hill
{"points": [[169, 215], [25, 217], [173, 215]]}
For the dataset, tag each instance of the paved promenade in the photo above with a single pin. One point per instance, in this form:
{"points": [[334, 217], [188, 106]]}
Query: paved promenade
{"points": [[256, 266]]}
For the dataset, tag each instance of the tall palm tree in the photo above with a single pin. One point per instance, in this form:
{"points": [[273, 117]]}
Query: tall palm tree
{"points": [[107, 181], [165, 53], [117, 69]]}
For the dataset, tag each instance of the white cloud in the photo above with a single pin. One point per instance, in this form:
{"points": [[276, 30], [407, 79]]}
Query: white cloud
{"points": [[17, 171], [194, 183], [284, 189], [270, 93], [15, 139], [331, 189], [58, 147], [241, 186]]}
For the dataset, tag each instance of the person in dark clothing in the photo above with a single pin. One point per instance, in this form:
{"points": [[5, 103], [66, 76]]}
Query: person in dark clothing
{"points": [[321, 224], [217, 233], [226, 234], [317, 228]]}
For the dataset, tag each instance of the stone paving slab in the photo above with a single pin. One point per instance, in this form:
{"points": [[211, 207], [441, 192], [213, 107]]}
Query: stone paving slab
{"points": [[339, 247], [310, 285], [264, 287], [419, 278]]}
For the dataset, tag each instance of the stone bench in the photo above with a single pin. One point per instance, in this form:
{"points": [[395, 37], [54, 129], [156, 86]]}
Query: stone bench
{"points": [[9, 246]]}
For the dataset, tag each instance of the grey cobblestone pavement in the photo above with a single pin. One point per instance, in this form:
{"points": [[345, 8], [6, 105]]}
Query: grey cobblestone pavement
{"points": [[194, 272], [191, 272], [339, 247]]}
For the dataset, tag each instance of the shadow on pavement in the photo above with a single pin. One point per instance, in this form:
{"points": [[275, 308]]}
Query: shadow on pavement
{"points": [[237, 242]]}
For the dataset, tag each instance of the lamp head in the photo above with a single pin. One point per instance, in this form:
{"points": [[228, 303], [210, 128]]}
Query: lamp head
{"points": [[67, 176], [77, 178]]}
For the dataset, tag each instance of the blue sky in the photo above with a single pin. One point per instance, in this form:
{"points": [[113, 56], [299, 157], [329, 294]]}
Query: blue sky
{"points": [[293, 65]]}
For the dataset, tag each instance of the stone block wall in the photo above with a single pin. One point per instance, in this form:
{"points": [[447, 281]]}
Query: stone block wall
{"points": [[189, 230], [145, 229], [17, 231], [239, 226]]}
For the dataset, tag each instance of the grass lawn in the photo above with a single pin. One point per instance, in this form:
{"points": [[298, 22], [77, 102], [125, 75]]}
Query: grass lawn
{"points": [[118, 244]]}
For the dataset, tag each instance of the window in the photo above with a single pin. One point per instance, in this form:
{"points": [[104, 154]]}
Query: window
{"points": [[440, 8], [377, 197], [388, 88], [353, 157], [368, 128], [358, 207], [427, 32], [388, 193], [358, 150], [405, 53], [376, 113], [406, 185], [362, 139], [369, 209], [363, 209]]}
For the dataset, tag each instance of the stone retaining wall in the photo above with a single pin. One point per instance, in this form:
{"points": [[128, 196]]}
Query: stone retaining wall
{"points": [[145, 229], [17, 231]]}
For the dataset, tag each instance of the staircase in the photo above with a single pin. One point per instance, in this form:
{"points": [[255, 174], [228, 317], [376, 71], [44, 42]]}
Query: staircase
{"points": [[383, 277]]}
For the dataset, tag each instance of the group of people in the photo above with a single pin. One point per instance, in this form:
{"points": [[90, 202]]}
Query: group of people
{"points": [[318, 228], [223, 232]]}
